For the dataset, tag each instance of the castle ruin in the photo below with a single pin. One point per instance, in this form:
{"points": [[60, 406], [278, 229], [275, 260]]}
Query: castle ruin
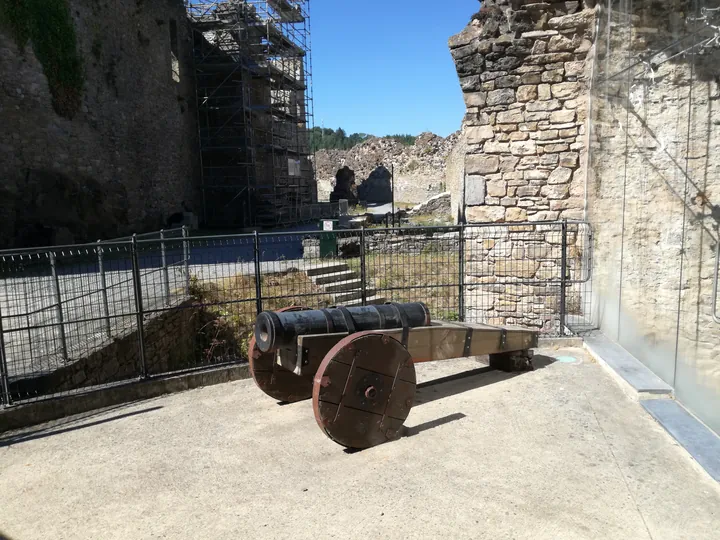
{"points": [[152, 108]]}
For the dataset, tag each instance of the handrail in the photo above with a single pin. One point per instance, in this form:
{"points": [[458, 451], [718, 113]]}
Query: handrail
{"points": [[715, 315]]}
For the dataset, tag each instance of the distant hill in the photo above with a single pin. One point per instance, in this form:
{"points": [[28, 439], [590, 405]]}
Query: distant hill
{"points": [[338, 139]]}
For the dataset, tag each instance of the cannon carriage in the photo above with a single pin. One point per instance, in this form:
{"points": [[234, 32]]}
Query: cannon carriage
{"points": [[358, 364]]}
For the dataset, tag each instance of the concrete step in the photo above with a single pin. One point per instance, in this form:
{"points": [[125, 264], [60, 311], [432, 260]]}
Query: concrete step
{"points": [[346, 285], [324, 269], [370, 300], [342, 297], [334, 277], [633, 375]]}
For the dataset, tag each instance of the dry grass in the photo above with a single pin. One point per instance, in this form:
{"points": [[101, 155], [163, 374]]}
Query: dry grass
{"points": [[430, 220], [230, 307], [430, 277]]}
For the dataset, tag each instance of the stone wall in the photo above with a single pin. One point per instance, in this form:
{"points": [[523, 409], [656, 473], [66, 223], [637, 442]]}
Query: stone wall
{"points": [[525, 79], [525, 70], [643, 170], [513, 274], [125, 161]]}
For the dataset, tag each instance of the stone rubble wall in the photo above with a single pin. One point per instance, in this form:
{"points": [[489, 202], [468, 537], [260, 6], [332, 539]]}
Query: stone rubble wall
{"points": [[420, 169], [525, 79], [439, 204], [387, 243]]}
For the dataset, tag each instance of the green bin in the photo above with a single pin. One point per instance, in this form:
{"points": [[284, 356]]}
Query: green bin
{"points": [[328, 240]]}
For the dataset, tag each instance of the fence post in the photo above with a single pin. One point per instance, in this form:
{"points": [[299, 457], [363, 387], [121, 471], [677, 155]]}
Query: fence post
{"points": [[392, 181], [186, 259], [363, 272], [139, 314], [58, 305], [563, 277], [103, 289], [461, 273], [5, 398], [258, 284], [166, 277]]}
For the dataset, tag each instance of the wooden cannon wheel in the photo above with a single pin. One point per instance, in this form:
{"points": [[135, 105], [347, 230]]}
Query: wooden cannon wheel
{"points": [[276, 381], [364, 390]]}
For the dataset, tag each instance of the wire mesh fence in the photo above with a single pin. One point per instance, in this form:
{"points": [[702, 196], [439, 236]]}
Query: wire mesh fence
{"points": [[79, 317]]}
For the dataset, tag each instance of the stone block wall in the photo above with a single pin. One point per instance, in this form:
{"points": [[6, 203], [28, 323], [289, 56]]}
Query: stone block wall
{"points": [[524, 71], [513, 274], [125, 160]]}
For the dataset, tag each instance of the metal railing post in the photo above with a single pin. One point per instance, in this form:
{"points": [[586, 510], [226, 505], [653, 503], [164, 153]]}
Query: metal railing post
{"points": [[186, 258], [258, 283], [5, 398], [363, 271], [392, 182], [139, 313], [58, 305], [563, 276], [103, 289], [166, 277], [715, 315], [461, 273]]}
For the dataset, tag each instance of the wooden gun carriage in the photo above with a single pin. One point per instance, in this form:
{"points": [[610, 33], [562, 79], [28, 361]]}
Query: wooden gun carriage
{"points": [[358, 364]]}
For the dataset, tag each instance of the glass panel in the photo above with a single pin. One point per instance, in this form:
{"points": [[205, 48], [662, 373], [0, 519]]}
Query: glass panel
{"points": [[654, 189]]}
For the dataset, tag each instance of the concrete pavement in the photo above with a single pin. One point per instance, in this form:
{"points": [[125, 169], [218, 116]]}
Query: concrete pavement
{"points": [[557, 453]]}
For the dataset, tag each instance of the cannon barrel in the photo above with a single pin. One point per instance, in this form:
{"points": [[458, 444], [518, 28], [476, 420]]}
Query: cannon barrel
{"points": [[275, 330]]}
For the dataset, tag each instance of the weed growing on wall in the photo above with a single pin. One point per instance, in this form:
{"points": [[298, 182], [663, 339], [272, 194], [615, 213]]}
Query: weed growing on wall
{"points": [[48, 26]]}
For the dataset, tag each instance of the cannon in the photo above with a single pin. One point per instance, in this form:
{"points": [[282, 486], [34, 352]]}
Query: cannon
{"points": [[358, 364]]}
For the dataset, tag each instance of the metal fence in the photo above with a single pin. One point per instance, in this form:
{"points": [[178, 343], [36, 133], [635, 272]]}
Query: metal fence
{"points": [[86, 316]]}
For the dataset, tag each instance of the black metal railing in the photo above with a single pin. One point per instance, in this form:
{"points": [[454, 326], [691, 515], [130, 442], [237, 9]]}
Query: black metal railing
{"points": [[88, 316]]}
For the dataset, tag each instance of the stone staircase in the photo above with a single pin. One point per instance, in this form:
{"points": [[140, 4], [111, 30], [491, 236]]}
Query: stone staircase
{"points": [[342, 284]]}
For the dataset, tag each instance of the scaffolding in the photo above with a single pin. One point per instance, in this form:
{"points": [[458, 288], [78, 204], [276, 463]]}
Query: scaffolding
{"points": [[254, 94]]}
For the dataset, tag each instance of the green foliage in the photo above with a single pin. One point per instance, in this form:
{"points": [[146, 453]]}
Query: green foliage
{"points": [[338, 139], [407, 140], [328, 139], [48, 26]]}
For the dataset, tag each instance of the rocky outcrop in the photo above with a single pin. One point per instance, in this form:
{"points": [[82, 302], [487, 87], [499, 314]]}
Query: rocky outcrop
{"points": [[420, 169]]}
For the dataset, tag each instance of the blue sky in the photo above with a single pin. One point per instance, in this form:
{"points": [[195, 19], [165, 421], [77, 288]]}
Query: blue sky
{"points": [[383, 66]]}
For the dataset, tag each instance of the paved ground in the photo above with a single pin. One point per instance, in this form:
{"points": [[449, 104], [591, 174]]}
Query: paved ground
{"points": [[557, 453]]}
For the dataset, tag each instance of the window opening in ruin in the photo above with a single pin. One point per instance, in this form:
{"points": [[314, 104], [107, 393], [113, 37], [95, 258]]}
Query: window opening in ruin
{"points": [[174, 51]]}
